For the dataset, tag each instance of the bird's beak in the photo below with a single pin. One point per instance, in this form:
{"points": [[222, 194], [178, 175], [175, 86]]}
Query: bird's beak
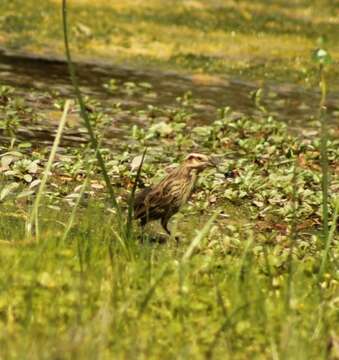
{"points": [[214, 162]]}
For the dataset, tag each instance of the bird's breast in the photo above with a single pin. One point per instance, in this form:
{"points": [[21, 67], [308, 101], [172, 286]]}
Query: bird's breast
{"points": [[183, 188]]}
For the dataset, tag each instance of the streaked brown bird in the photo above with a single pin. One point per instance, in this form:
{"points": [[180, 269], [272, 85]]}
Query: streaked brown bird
{"points": [[163, 200]]}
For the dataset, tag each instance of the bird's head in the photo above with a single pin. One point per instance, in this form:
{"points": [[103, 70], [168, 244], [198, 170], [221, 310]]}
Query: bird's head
{"points": [[198, 161]]}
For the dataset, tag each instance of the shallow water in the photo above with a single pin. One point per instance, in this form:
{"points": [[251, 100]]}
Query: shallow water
{"points": [[292, 104]]}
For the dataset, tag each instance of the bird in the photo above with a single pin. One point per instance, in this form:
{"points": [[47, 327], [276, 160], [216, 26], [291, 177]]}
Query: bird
{"points": [[165, 199]]}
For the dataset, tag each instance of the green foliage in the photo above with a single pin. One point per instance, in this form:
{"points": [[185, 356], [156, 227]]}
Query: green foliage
{"points": [[228, 300], [83, 299], [250, 276]]}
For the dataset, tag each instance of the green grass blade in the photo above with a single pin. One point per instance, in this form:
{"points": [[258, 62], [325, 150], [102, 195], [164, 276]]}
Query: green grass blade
{"points": [[323, 150], [165, 272], [85, 117], [242, 269], [329, 239], [35, 210], [131, 198], [199, 238], [74, 210], [292, 238]]}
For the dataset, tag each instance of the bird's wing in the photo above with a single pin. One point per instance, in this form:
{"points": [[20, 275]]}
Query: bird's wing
{"points": [[140, 196], [150, 202], [139, 202], [155, 201]]}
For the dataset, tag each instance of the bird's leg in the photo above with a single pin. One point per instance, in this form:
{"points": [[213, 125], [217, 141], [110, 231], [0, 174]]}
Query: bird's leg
{"points": [[143, 222], [177, 239], [142, 234], [164, 222]]}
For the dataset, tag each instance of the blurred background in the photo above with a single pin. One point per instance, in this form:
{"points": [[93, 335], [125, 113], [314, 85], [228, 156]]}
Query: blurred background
{"points": [[256, 40]]}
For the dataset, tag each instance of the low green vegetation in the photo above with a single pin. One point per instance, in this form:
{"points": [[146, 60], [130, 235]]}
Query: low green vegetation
{"points": [[250, 287], [84, 299], [252, 269]]}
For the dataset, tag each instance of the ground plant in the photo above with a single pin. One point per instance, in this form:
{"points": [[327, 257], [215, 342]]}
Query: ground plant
{"points": [[254, 274]]}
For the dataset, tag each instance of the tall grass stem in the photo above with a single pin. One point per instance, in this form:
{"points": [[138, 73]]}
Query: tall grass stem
{"points": [[292, 237], [85, 117], [74, 209], [199, 237], [34, 215], [329, 239], [323, 149], [131, 199]]}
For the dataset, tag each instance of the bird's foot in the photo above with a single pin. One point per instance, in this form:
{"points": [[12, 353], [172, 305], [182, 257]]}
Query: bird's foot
{"points": [[153, 239], [161, 239], [177, 239]]}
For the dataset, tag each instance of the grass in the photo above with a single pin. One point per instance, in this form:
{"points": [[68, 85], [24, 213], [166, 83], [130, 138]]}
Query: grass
{"points": [[81, 300], [33, 222], [254, 276], [87, 297], [259, 40]]}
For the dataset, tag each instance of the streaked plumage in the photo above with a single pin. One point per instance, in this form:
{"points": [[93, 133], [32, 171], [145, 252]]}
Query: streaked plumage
{"points": [[163, 200]]}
